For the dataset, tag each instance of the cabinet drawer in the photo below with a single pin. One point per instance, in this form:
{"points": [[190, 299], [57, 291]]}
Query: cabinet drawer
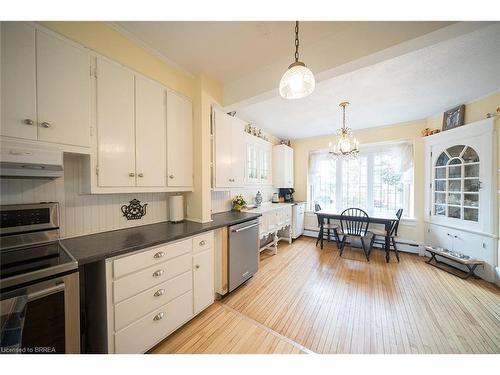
{"points": [[155, 326], [133, 308], [203, 242], [150, 257], [145, 279]]}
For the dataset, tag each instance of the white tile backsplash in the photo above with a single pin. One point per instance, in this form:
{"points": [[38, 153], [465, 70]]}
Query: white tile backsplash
{"points": [[82, 214], [221, 200]]}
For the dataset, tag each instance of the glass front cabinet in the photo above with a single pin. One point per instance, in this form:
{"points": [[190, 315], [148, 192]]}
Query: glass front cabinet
{"points": [[258, 161], [461, 212]]}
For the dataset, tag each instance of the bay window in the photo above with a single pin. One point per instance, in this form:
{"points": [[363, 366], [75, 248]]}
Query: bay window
{"points": [[379, 180]]}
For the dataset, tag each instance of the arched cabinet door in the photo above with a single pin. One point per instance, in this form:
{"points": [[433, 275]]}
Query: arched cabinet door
{"points": [[460, 183]]}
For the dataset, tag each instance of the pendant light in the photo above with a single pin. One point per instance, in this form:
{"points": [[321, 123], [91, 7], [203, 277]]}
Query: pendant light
{"points": [[347, 147], [298, 81]]}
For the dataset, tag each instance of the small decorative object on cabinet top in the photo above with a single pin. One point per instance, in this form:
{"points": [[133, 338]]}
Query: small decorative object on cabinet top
{"points": [[429, 131], [232, 113], [497, 113], [258, 199], [134, 210], [454, 117], [286, 142], [238, 203]]}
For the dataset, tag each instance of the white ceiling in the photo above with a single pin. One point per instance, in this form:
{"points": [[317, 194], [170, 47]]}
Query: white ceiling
{"points": [[409, 87], [227, 50]]}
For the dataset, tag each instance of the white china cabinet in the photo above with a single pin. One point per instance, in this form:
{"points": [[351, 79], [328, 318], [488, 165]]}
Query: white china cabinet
{"points": [[258, 161], [461, 195]]}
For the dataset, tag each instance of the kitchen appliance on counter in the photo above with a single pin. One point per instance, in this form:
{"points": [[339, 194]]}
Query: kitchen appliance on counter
{"points": [[243, 252], [39, 283], [276, 198], [286, 194]]}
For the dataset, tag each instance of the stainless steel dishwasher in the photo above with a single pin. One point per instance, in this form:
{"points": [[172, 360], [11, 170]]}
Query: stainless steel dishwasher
{"points": [[243, 252]]}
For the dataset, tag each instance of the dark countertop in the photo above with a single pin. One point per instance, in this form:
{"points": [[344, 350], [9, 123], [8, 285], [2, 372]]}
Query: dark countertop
{"points": [[99, 246]]}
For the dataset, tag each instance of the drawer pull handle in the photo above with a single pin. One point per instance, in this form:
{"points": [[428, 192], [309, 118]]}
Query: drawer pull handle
{"points": [[159, 254], [159, 316], [159, 292], [158, 273], [203, 243]]}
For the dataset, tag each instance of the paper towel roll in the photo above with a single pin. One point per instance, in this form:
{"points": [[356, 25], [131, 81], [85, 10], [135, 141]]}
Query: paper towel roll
{"points": [[176, 208]]}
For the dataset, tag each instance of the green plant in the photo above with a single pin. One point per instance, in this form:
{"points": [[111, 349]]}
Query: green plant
{"points": [[238, 202]]}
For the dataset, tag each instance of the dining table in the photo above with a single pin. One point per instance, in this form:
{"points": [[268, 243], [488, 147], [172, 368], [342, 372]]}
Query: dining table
{"points": [[386, 220]]}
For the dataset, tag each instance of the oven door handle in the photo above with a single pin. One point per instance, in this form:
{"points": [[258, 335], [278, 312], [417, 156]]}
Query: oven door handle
{"points": [[245, 228], [59, 287]]}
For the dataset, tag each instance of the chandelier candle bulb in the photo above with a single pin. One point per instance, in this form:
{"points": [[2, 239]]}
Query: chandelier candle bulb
{"points": [[347, 146]]}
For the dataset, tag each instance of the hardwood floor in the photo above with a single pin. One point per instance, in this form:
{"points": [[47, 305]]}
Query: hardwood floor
{"points": [[309, 300]]}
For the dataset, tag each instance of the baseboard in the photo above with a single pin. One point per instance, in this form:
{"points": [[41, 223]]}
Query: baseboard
{"points": [[408, 246]]}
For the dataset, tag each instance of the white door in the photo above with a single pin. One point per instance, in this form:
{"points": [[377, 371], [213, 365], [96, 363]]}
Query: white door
{"points": [[150, 133], [203, 280], [18, 88], [63, 91], [289, 167], [115, 125], [223, 149], [179, 140], [237, 152]]}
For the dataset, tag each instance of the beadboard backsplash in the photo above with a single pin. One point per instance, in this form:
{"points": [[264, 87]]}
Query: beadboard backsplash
{"points": [[221, 200], [82, 214]]}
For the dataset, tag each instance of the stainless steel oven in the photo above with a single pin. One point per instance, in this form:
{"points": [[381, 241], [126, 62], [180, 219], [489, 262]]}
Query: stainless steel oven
{"points": [[39, 283]]}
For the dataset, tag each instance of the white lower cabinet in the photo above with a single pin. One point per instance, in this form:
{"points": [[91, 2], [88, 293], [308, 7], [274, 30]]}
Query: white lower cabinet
{"points": [[152, 292]]}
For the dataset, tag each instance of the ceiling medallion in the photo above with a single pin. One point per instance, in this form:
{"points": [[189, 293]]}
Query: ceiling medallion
{"points": [[298, 81], [347, 147]]}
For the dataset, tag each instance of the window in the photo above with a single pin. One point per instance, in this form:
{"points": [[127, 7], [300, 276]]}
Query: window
{"points": [[456, 184], [379, 180]]}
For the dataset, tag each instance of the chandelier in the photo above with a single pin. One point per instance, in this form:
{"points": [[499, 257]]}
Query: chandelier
{"points": [[298, 81], [347, 146]]}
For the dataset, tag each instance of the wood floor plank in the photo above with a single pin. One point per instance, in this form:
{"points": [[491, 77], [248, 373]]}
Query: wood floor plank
{"points": [[307, 300]]}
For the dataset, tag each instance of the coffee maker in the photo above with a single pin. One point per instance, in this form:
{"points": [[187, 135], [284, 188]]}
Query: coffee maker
{"points": [[286, 194]]}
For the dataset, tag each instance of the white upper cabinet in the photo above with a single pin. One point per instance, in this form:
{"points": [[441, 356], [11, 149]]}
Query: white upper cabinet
{"points": [[115, 125], [150, 132], [282, 166], [258, 160], [229, 150], [18, 78], [179, 140], [63, 91]]}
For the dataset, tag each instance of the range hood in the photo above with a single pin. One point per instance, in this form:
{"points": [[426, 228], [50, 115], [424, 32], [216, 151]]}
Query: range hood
{"points": [[30, 161]]}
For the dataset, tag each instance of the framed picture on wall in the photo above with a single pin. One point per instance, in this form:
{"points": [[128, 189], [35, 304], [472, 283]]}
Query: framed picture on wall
{"points": [[454, 117]]}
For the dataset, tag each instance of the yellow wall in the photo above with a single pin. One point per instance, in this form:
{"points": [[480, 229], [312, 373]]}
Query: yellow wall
{"points": [[407, 131], [103, 39]]}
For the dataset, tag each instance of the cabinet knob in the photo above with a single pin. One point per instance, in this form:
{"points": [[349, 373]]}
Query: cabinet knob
{"points": [[131, 174], [140, 175], [159, 292], [197, 266], [159, 316], [159, 254], [28, 121], [158, 273], [171, 176], [45, 125], [203, 243]]}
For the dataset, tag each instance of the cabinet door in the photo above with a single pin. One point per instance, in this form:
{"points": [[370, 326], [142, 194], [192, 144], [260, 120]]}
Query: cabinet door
{"points": [[203, 280], [222, 149], [179, 140], [150, 133], [265, 162], [288, 167], [18, 89], [251, 160], [237, 152], [63, 91], [115, 125]]}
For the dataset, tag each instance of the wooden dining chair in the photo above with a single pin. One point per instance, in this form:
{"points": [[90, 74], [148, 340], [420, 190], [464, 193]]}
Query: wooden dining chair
{"points": [[392, 233], [354, 223], [325, 224]]}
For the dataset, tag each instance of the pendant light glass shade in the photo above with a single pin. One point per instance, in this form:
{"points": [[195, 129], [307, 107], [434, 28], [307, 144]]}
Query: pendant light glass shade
{"points": [[298, 81]]}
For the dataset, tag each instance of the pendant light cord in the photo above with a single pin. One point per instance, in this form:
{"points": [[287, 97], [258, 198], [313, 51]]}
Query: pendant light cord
{"points": [[296, 41]]}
